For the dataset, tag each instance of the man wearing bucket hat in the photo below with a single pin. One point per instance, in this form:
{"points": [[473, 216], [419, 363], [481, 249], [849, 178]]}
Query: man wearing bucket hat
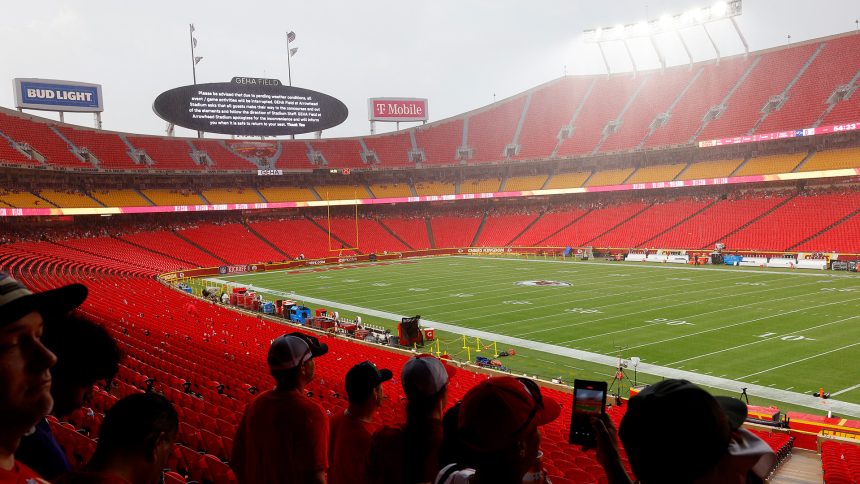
{"points": [[410, 454], [674, 431], [498, 433], [283, 435], [352, 430], [25, 379]]}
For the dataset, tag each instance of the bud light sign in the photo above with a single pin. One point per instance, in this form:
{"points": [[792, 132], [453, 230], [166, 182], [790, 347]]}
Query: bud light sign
{"points": [[55, 95], [397, 109]]}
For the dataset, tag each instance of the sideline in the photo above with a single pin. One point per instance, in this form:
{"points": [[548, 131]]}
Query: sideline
{"points": [[731, 386], [677, 267]]}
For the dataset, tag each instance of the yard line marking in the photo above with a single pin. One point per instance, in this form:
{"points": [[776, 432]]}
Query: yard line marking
{"points": [[762, 340], [802, 359], [840, 392], [807, 308], [840, 407], [728, 308]]}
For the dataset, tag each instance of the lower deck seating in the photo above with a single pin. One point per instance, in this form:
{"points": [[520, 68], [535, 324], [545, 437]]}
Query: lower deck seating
{"points": [[232, 242], [206, 360], [840, 462]]}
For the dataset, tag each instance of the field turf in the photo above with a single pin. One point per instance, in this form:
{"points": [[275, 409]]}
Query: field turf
{"points": [[791, 330]]}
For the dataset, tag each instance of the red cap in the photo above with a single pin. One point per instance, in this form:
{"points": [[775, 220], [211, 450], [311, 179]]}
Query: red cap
{"points": [[496, 412]]}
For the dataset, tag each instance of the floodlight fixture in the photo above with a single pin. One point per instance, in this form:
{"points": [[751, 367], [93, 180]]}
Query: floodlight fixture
{"points": [[696, 17], [720, 10]]}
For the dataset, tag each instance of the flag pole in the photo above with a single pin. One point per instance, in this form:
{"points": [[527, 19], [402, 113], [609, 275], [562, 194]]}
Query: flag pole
{"points": [[193, 64], [289, 70]]}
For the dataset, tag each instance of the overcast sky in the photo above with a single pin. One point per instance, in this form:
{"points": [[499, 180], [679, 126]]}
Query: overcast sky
{"points": [[460, 54]]}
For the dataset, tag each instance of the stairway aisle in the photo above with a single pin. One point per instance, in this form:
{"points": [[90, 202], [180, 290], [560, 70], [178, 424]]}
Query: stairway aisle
{"points": [[803, 467]]}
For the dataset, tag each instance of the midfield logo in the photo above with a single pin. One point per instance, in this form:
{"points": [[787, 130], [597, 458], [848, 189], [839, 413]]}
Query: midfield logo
{"points": [[543, 283]]}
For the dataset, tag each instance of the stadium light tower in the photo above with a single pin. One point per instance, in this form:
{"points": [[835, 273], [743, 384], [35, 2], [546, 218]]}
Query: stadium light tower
{"points": [[696, 17]]}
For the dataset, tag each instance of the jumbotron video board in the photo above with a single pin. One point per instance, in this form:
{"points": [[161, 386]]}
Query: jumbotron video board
{"points": [[250, 106]]}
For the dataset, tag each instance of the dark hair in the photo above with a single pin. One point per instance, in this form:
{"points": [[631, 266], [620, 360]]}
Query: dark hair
{"points": [[133, 425], [287, 379], [452, 450], [86, 352]]}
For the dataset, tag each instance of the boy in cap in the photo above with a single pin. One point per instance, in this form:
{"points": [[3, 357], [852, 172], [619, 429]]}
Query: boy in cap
{"points": [[352, 430], [410, 454], [674, 431], [498, 433], [25, 379], [283, 435]]}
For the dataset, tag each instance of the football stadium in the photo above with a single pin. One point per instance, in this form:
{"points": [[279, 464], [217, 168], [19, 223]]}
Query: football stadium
{"points": [[686, 206]]}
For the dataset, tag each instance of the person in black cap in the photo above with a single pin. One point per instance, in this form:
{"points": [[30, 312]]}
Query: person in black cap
{"points": [[352, 430], [283, 435], [25, 363], [675, 432]]}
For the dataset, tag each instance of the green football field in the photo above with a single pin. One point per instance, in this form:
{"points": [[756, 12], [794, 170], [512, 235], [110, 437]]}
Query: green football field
{"points": [[782, 334]]}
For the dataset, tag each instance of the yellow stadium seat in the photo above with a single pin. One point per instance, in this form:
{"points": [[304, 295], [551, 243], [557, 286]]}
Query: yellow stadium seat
{"points": [[768, 165], [710, 169], [68, 199], [434, 188], [609, 177], [120, 198], [23, 200], [229, 195], [525, 183], [833, 160], [287, 194], [173, 197], [568, 180], [391, 191], [487, 185], [342, 192], [658, 173]]}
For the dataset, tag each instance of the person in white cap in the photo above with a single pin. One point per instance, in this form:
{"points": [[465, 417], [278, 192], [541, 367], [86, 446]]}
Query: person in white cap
{"points": [[410, 454], [283, 436], [25, 363]]}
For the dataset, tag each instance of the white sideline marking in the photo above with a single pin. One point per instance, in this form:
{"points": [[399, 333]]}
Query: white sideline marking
{"points": [[840, 392], [840, 407], [656, 266]]}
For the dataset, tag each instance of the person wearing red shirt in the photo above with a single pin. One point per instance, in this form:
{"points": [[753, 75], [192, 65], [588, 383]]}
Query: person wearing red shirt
{"points": [[25, 363], [283, 435], [352, 430]]}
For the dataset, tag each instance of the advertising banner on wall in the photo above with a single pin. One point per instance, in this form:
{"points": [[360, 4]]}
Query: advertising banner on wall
{"points": [[58, 95], [397, 109]]}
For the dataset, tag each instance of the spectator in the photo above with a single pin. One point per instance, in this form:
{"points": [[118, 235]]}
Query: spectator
{"points": [[25, 379], [135, 441], [497, 434], [283, 436], [86, 353], [352, 430], [674, 431], [410, 454]]}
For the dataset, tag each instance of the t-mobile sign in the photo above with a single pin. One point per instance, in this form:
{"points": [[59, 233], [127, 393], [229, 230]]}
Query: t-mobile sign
{"points": [[397, 109]]}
